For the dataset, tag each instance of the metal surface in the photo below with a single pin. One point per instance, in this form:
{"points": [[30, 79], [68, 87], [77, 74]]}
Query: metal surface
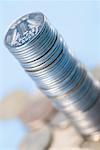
{"points": [[46, 58]]}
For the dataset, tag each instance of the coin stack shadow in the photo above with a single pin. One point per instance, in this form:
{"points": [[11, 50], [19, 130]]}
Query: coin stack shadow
{"points": [[44, 55]]}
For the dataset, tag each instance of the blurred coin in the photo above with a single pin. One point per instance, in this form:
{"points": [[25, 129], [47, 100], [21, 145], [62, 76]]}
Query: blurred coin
{"points": [[67, 138], [91, 145], [60, 120], [70, 148], [96, 72], [38, 109], [13, 104], [37, 140], [77, 148]]}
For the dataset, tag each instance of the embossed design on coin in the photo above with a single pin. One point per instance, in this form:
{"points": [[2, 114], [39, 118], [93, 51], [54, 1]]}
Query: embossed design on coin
{"points": [[24, 29]]}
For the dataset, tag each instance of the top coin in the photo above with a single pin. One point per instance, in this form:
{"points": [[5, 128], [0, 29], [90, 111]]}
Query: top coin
{"points": [[24, 30]]}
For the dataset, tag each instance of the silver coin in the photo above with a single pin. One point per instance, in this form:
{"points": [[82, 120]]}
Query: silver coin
{"points": [[24, 29], [59, 75], [43, 63]]}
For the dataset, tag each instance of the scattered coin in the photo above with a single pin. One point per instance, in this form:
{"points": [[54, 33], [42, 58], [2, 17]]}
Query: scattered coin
{"points": [[96, 72], [37, 140], [13, 104], [67, 138], [91, 145], [38, 109], [76, 148]]}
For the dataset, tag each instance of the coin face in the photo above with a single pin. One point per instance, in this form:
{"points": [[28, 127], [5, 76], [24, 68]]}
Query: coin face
{"points": [[24, 30], [38, 140]]}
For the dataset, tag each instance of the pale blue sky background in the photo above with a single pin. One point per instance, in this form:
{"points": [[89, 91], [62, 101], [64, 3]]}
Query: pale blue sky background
{"points": [[77, 21]]}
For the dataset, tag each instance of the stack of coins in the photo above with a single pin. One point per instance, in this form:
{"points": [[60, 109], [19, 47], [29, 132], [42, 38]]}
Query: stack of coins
{"points": [[44, 55]]}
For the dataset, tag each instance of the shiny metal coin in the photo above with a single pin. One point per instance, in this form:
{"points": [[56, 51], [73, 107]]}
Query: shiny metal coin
{"points": [[44, 55], [24, 30]]}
